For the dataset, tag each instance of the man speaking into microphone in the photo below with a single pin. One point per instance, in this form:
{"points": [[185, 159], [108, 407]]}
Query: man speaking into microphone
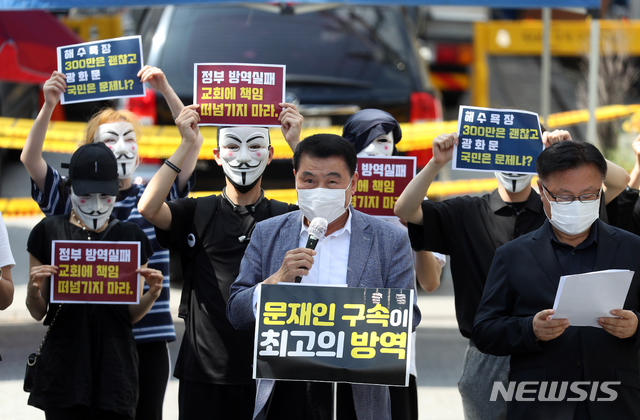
{"points": [[357, 251]]}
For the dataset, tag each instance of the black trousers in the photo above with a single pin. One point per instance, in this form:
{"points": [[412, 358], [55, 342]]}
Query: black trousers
{"points": [[82, 412], [404, 401], [201, 401], [153, 376], [309, 401]]}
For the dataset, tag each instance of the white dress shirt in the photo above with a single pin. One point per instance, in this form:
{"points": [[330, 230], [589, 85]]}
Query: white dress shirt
{"points": [[329, 264]]}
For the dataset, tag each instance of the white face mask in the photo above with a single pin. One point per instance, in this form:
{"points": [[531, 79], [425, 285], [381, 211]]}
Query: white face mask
{"points": [[514, 183], [328, 203], [575, 217], [120, 137], [381, 146], [93, 209], [245, 153]]}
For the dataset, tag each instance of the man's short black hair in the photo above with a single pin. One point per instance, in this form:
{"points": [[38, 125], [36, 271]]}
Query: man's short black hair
{"points": [[231, 126], [565, 155], [324, 146]]}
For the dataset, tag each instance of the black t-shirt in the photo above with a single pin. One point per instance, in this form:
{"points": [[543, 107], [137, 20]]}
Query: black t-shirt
{"points": [[469, 230], [624, 211], [212, 351], [89, 356]]}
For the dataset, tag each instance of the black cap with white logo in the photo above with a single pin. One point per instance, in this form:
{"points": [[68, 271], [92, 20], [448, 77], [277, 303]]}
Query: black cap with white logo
{"points": [[94, 169]]}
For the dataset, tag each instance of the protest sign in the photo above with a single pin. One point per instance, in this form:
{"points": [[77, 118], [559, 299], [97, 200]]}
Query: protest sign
{"points": [[101, 70], [497, 140], [335, 334], [239, 94], [95, 272], [380, 183]]}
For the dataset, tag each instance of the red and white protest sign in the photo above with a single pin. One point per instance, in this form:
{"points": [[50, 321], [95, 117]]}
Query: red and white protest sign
{"points": [[95, 272], [380, 183], [239, 94]]}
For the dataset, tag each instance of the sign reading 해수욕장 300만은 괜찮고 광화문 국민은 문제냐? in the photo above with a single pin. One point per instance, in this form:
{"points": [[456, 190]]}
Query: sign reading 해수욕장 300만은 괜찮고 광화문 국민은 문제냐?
{"points": [[239, 94], [380, 183], [100, 70], [497, 140], [333, 334], [95, 272]]}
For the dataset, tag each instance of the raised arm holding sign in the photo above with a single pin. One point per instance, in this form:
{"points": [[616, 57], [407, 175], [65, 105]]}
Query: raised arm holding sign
{"points": [[119, 130]]}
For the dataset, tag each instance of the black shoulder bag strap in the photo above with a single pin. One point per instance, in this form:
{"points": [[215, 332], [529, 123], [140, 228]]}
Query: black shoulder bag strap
{"points": [[206, 208]]}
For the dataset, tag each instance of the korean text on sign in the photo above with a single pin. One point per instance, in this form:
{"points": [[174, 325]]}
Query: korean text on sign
{"points": [[95, 272], [333, 334], [497, 140], [101, 70], [239, 94], [381, 181]]}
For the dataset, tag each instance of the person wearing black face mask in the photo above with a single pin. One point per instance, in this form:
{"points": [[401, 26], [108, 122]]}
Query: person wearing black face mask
{"points": [[88, 364]]}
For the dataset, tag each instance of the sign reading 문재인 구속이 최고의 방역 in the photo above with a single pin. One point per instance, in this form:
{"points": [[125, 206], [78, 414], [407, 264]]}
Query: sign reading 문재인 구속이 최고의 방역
{"points": [[333, 334]]}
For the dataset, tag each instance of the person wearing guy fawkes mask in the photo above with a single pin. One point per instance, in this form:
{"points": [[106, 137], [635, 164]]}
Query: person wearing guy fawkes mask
{"points": [[88, 367], [211, 235], [469, 229]]}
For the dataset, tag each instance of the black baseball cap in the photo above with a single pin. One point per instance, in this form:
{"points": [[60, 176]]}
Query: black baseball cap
{"points": [[94, 169]]}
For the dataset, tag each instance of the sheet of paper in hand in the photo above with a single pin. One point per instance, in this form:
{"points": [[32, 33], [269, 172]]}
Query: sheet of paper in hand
{"points": [[583, 298]]}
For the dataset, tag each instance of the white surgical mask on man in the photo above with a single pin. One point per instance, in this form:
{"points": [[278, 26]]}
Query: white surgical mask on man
{"points": [[514, 183], [92, 209], [575, 217], [328, 203], [244, 152], [120, 137], [381, 146]]}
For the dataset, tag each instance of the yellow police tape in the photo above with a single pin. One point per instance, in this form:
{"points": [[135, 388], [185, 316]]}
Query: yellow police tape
{"points": [[161, 141], [23, 206]]}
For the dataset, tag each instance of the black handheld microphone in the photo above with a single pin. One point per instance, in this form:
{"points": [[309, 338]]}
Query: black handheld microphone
{"points": [[317, 229]]}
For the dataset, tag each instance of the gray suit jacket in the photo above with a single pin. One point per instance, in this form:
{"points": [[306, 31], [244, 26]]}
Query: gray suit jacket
{"points": [[379, 256]]}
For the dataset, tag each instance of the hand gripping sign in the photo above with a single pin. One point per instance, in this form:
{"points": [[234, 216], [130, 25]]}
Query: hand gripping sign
{"points": [[239, 94], [497, 140], [95, 272]]}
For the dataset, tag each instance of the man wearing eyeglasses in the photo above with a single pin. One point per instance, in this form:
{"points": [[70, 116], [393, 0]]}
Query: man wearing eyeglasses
{"points": [[514, 315], [469, 229]]}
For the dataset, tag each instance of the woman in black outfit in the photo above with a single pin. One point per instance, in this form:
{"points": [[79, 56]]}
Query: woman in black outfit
{"points": [[88, 364]]}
